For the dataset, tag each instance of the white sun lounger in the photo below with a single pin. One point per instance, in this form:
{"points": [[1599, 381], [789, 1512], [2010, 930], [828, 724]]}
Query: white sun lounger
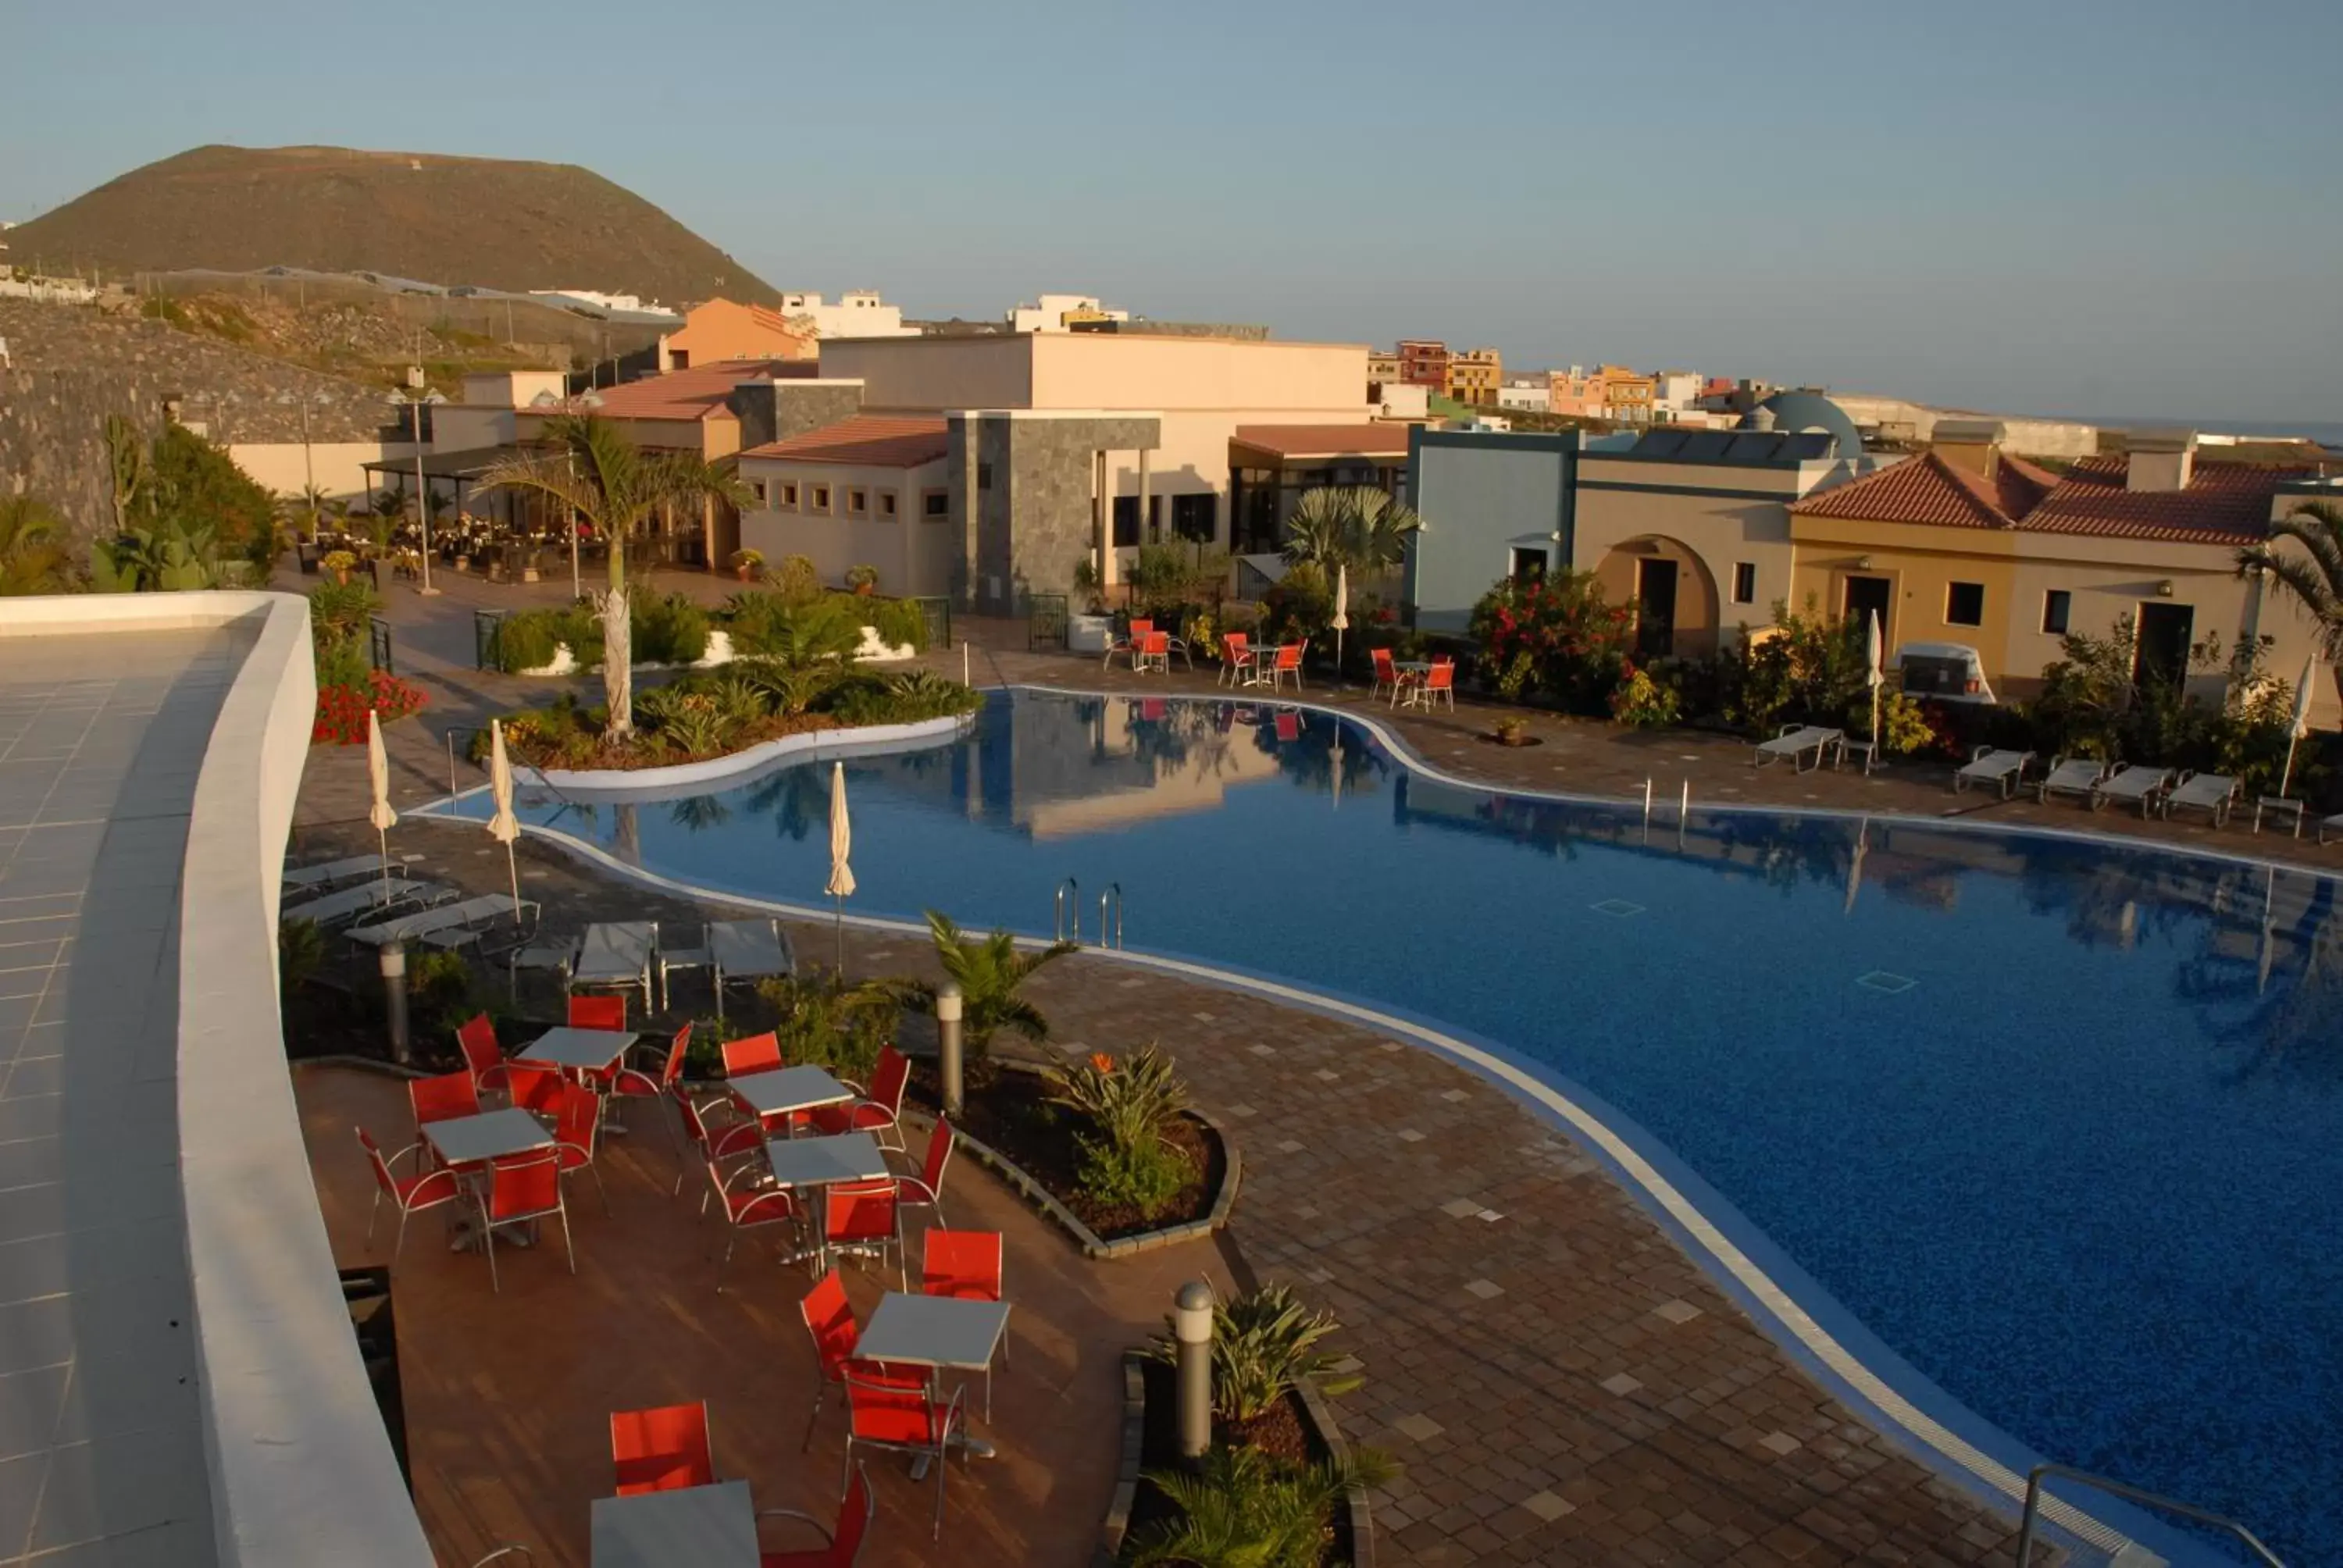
{"points": [[743, 951], [1794, 741], [617, 953], [2211, 793], [366, 897], [330, 872], [2004, 770], [2132, 781], [2070, 776], [440, 922]]}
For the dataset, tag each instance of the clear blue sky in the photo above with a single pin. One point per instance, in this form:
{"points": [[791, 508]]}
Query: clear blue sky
{"points": [[2112, 209]]}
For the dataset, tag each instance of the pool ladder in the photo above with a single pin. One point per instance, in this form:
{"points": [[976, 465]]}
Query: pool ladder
{"points": [[2034, 1502], [1067, 921]]}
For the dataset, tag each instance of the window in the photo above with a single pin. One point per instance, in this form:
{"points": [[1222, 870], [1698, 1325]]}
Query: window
{"points": [[1528, 567], [2056, 605], [789, 494], [1965, 603], [1196, 517], [858, 501], [1126, 520], [887, 505], [984, 476], [820, 502], [757, 491], [935, 505], [678, 359], [1744, 582]]}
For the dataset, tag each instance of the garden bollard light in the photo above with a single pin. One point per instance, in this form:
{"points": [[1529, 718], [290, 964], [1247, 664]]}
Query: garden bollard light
{"points": [[948, 1046], [1192, 1326], [393, 996]]}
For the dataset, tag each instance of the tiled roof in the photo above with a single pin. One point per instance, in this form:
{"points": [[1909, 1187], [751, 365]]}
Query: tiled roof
{"points": [[1384, 438], [2224, 503], [867, 441], [692, 394]]}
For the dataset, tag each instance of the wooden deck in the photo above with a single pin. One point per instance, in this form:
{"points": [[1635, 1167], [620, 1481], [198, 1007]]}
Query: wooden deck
{"points": [[508, 1396]]}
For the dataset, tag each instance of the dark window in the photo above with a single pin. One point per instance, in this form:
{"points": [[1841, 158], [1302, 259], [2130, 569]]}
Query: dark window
{"points": [[820, 498], [984, 476], [1529, 566], [1965, 603], [886, 503], [788, 495], [1154, 520], [938, 503], [1196, 517], [857, 502], [2056, 605], [1126, 520], [678, 359], [1744, 582]]}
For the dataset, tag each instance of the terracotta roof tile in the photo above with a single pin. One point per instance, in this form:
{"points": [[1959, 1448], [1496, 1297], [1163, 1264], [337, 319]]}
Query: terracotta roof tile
{"points": [[1382, 439], [692, 394], [2224, 503], [1922, 490], [865, 440]]}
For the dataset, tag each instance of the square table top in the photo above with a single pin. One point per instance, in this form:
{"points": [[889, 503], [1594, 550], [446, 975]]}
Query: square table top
{"points": [[581, 1049], [934, 1331], [490, 1135], [786, 1088], [816, 1161], [687, 1527]]}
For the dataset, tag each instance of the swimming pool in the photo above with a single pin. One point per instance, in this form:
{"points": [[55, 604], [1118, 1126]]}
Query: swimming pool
{"points": [[2061, 1122]]}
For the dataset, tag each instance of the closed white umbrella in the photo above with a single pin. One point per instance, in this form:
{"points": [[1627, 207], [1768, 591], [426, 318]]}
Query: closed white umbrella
{"points": [[379, 815], [1341, 613], [1855, 864], [841, 841], [2302, 691], [1876, 673], [504, 826]]}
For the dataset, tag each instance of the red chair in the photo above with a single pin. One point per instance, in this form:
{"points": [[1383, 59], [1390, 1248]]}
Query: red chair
{"points": [[853, 1523], [444, 1097], [733, 1140], [598, 1011], [410, 1194], [747, 1205], [926, 1191], [634, 1083], [1386, 674], [477, 1038], [534, 1087], [879, 1112], [897, 1412], [1289, 726], [829, 1319], [861, 1217], [518, 1191], [1288, 663], [665, 1449], [756, 1053], [1153, 651], [964, 1265], [1439, 683], [578, 1123], [1236, 658]]}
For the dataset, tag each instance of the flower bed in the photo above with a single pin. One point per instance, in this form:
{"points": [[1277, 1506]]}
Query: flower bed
{"points": [[342, 709]]}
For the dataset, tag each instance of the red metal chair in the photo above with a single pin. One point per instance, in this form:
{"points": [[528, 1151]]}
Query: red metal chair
{"points": [[879, 1112], [756, 1053], [733, 1140], [1155, 651], [577, 1124], [533, 1086], [926, 1191], [829, 1319], [1236, 658], [408, 1194], [665, 1449], [444, 1097], [966, 1266], [1288, 663], [477, 1038], [897, 1412], [1386, 674], [598, 1011], [1439, 683], [520, 1190], [746, 1205], [1289, 726], [634, 1083], [862, 1216], [843, 1547]]}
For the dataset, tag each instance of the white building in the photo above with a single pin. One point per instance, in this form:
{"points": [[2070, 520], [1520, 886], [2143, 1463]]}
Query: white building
{"points": [[1676, 390], [858, 312], [1527, 396], [1403, 400], [632, 303], [1058, 312]]}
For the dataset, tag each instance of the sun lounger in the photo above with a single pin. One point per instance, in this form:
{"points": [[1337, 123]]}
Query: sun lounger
{"points": [[2131, 782], [397, 893], [2004, 770], [332, 871], [2070, 776], [2327, 825], [747, 950], [440, 922], [617, 953], [2211, 793], [1794, 741]]}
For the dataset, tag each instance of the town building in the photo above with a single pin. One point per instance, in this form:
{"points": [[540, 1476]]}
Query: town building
{"points": [[1399, 400], [1474, 375], [1527, 396], [1061, 313], [721, 330], [1424, 362], [1626, 396], [1577, 392], [869, 491], [1675, 392], [1382, 366], [858, 312]]}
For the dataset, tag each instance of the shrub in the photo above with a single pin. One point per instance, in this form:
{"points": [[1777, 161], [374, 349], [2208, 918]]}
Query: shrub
{"points": [[342, 709], [667, 629], [300, 953], [339, 612], [796, 631], [862, 579], [526, 639], [825, 1023], [1558, 637], [1298, 605], [898, 621], [440, 988], [990, 974], [1264, 1343], [1809, 668], [1247, 1507], [1642, 703], [1131, 1101], [1145, 1176], [796, 580]]}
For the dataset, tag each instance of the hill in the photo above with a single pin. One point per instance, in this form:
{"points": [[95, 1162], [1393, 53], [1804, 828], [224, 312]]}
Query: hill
{"points": [[445, 220]]}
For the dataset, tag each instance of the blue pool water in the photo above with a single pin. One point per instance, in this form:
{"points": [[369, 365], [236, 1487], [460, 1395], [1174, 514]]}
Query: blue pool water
{"points": [[2061, 1123]]}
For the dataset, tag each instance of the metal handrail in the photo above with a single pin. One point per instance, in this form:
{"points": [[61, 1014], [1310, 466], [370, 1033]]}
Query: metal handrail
{"points": [[1113, 892], [1070, 896], [2129, 1494]]}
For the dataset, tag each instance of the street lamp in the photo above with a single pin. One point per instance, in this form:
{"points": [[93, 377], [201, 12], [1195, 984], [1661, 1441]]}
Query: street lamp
{"points": [[317, 399], [417, 403], [546, 403]]}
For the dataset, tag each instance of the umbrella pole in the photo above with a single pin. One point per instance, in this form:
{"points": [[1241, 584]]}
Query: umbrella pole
{"points": [[512, 870], [2287, 776], [841, 938], [383, 835]]}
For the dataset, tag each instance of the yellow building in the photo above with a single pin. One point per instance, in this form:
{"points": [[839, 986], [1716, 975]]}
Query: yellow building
{"points": [[1626, 396], [1474, 375]]}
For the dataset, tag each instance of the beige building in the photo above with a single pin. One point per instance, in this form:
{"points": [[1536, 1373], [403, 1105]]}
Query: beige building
{"points": [[723, 330], [870, 490]]}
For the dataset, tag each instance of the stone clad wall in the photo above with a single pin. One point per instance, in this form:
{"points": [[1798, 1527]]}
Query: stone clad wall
{"points": [[1036, 522]]}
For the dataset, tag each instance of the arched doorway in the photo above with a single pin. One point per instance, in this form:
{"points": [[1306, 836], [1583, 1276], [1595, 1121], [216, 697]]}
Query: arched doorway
{"points": [[1672, 591]]}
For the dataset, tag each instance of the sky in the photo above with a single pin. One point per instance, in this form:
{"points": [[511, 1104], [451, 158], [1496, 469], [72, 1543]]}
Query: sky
{"points": [[2109, 210]]}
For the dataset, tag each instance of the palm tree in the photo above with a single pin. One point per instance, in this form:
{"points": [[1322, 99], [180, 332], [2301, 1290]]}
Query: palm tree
{"points": [[1248, 1510], [989, 971], [1353, 526], [2314, 575], [32, 547], [594, 472]]}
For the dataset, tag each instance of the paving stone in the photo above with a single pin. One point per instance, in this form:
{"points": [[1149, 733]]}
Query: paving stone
{"points": [[1487, 1290]]}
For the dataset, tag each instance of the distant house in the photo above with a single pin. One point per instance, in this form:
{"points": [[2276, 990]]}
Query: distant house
{"points": [[723, 330], [858, 312]]}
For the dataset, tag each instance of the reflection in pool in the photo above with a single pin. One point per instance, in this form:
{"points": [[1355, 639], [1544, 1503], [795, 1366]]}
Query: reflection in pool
{"points": [[2061, 1122]]}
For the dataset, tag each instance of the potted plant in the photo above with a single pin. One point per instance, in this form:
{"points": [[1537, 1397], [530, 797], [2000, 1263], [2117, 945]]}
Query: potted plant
{"points": [[1513, 731], [747, 564], [862, 579], [339, 565]]}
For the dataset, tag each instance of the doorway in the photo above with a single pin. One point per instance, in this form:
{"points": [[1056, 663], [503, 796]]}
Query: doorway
{"points": [[1528, 567], [2160, 654], [1656, 606], [1866, 598]]}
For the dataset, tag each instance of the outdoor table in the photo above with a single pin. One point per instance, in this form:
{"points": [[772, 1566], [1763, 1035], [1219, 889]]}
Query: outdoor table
{"points": [[819, 1161], [580, 1050], [490, 1135], [942, 1333], [685, 1527], [784, 1090], [1420, 668]]}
